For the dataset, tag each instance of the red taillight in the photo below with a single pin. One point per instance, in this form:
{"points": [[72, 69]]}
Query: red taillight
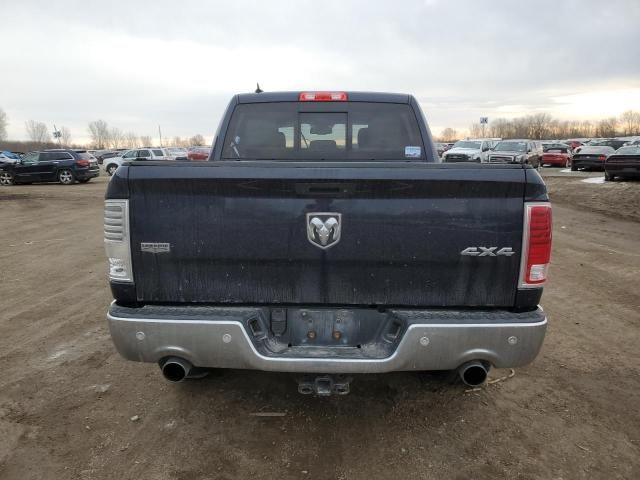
{"points": [[536, 245], [323, 97], [82, 163], [602, 157]]}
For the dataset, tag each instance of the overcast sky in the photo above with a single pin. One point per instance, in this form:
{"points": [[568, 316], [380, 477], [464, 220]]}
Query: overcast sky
{"points": [[137, 64]]}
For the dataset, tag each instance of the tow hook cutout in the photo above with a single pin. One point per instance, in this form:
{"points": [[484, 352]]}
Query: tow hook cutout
{"points": [[324, 385]]}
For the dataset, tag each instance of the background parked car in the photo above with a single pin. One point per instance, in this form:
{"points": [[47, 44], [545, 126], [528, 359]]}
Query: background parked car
{"points": [[475, 150], [537, 147], [146, 153], [608, 142], [573, 144], [556, 155], [104, 154], [8, 157], [516, 151], [591, 157], [624, 162], [176, 153], [199, 153], [58, 165]]}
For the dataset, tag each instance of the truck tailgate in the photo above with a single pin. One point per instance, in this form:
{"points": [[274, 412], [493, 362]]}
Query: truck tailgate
{"points": [[237, 232]]}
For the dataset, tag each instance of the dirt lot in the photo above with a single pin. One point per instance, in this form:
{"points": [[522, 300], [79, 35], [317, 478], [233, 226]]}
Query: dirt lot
{"points": [[67, 400]]}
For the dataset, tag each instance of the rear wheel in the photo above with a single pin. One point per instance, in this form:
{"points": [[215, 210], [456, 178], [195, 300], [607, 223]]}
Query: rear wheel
{"points": [[573, 168], [65, 176], [111, 169], [6, 178], [608, 178]]}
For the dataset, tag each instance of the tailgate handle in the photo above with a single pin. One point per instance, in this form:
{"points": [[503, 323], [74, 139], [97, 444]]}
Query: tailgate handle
{"points": [[324, 190], [332, 189]]}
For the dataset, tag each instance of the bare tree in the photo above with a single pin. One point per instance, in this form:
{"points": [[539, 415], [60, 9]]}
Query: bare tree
{"points": [[179, 142], [538, 125], [630, 121], [543, 126], [146, 140], [196, 140], [448, 135], [475, 130], [116, 137], [586, 128], [3, 125], [37, 132], [65, 136], [131, 140], [501, 128], [99, 131], [607, 127]]}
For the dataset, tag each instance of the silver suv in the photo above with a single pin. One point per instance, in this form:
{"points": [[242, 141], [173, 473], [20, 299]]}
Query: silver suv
{"points": [[145, 153]]}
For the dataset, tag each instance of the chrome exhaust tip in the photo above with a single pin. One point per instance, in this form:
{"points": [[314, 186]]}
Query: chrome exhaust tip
{"points": [[175, 369], [473, 373]]}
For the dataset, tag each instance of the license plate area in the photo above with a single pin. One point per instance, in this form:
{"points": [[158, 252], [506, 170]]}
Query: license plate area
{"points": [[326, 328], [326, 332]]}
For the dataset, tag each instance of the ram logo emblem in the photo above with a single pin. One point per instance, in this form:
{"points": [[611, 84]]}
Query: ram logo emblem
{"points": [[487, 252], [324, 228]]}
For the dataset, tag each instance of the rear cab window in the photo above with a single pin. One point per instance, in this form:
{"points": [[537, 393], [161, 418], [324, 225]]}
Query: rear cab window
{"points": [[348, 131]]}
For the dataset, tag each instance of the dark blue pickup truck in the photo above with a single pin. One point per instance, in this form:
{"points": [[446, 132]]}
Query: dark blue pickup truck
{"points": [[324, 237]]}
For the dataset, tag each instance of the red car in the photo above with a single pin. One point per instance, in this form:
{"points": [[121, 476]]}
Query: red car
{"points": [[556, 155], [574, 144], [198, 153]]}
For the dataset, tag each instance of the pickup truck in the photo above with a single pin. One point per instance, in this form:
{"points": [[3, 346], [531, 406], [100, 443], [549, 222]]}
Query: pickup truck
{"points": [[469, 151], [324, 237], [526, 152]]}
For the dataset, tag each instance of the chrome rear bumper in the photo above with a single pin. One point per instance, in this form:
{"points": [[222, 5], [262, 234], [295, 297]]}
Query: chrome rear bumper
{"points": [[218, 338]]}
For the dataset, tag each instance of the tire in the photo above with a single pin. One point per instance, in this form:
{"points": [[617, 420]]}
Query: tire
{"points": [[6, 179], [66, 177], [111, 169], [608, 178], [573, 168]]}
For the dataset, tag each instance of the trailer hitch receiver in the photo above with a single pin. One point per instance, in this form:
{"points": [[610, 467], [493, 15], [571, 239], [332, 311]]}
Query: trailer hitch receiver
{"points": [[324, 385]]}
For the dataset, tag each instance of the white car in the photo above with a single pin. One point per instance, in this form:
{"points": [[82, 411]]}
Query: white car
{"points": [[469, 151], [145, 153], [175, 153], [8, 157]]}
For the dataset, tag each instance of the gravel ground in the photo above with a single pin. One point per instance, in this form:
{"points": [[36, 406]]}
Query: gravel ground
{"points": [[71, 408], [619, 198]]}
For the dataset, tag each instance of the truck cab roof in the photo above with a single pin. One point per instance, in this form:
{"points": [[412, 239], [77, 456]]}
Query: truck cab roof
{"points": [[379, 97]]}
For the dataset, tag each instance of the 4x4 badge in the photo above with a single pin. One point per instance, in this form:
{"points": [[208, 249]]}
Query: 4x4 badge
{"points": [[324, 228], [487, 252]]}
